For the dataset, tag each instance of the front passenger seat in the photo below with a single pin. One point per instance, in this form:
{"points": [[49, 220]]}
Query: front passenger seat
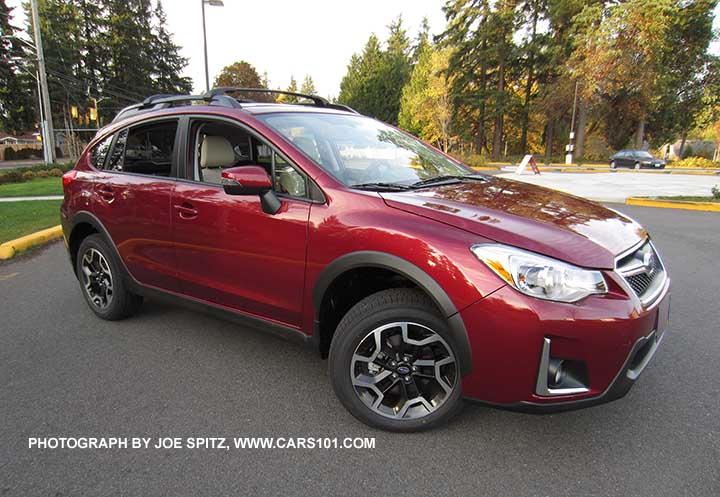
{"points": [[216, 154]]}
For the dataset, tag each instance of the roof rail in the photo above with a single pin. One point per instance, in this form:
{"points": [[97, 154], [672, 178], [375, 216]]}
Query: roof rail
{"points": [[163, 101], [317, 101], [217, 96]]}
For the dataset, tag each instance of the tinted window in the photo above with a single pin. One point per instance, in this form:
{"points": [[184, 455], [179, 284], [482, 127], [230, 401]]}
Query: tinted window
{"points": [[217, 145], [145, 149], [99, 153]]}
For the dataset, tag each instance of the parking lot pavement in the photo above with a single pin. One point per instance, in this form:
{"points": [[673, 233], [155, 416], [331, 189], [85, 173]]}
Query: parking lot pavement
{"points": [[171, 372], [616, 187]]}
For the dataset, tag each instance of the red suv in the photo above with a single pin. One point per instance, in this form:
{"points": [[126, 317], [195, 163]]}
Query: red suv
{"points": [[421, 280]]}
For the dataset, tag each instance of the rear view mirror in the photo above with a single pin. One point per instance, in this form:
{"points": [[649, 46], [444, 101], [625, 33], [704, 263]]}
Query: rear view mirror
{"points": [[251, 180], [246, 180]]}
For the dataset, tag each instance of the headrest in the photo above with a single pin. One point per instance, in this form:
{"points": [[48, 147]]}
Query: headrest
{"points": [[216, 151], [307, 145]]}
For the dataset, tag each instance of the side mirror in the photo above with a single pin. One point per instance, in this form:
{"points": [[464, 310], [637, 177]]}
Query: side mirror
{"points": [[245, 180], [251, 180]]}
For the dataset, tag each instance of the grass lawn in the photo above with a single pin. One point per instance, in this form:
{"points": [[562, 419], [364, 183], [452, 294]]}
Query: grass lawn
{"points": [[686, 198], [25, 217], [36, 187]]}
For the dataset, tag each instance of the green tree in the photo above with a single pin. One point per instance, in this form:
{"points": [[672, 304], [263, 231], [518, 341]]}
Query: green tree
{"points": [[17, 109], [308, 86], [374, 80], [168, 63]]}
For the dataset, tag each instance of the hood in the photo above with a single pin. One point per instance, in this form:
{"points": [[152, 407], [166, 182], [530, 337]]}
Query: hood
{"points": [[531, 217]]}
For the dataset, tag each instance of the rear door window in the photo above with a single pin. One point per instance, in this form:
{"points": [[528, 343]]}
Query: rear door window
{"points": [[147, 149]]}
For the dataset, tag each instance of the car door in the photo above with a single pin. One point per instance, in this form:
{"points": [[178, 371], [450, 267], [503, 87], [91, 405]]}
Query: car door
{"points": [[133, 193], [229, 252]]}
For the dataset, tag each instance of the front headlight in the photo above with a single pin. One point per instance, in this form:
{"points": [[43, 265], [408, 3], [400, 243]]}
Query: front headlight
{"points": [[540, 276]]}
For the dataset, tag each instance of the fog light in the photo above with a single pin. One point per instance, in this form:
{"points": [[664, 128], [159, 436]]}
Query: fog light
{"points": [[556, 373]]}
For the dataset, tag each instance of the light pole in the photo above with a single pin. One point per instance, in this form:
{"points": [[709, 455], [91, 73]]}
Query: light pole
{"points": [[49, 134], [214, 3]]}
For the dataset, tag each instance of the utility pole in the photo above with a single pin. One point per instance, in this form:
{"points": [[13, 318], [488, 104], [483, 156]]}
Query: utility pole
{"points": [[46, 123], [570, 148]]}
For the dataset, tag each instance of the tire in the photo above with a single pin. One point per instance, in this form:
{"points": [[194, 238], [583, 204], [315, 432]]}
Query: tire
{"points": [[637, 166], [98, 271], [613, 165], [385, 317]]}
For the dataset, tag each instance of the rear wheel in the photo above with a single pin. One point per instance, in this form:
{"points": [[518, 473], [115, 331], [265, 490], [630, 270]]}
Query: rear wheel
{"points": [[393, 364], [102, 286]]}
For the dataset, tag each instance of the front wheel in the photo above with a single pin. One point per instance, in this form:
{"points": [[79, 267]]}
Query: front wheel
{"points": [[393, 363], [637, 166], [613, 165]]}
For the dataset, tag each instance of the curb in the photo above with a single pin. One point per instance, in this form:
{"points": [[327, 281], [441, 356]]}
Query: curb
{"points": [[12, 247], [674, 204]]}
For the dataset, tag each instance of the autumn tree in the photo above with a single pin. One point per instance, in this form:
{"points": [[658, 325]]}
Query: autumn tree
{"points": [[240, 74], [426, 103]]}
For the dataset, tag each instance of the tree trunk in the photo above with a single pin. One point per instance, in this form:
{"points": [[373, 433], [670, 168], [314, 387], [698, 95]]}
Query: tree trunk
{"points": [[549, 138], [499, 111], [682, 145], [581, 125], [528, 85], [480, 135], [640, 134]]}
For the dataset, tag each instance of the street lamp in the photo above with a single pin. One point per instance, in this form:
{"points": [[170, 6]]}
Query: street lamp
{"points": [[213, 3]]}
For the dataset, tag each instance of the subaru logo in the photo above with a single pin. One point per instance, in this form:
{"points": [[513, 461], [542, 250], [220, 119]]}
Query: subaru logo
{"points": [[403, 370]]}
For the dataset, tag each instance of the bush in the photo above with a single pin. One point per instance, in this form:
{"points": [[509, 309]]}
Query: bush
{"points": [[13, 176], [42, 173], [10, 154], [696, 163], [687, 152], [716, 191], [56, 171], [28, 175]]}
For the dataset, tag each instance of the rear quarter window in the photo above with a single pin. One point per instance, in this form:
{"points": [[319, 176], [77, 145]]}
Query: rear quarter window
{"points": [[100, 152]]}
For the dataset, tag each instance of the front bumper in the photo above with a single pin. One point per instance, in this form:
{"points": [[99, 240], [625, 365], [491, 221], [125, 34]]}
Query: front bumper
{"points": [[615, 337]]}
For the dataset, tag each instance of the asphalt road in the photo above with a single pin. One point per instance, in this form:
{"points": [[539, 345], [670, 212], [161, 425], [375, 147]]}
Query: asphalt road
{"points": [[171, 372]]}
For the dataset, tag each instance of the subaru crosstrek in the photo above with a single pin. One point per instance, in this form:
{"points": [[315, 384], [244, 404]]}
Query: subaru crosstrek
{"points": [[422, 281]]}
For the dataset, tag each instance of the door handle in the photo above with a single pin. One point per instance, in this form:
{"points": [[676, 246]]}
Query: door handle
{"points": [[106, 193], [186, 210]]}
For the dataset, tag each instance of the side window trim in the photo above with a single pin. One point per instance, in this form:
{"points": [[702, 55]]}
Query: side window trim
{"points": [[189, 169]]}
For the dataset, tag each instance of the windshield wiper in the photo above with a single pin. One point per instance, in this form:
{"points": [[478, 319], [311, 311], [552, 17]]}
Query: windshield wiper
{"points": [[393, 187], [447, 178]]}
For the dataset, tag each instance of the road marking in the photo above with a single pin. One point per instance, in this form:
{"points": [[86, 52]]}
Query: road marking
{"points": [[4, 277]]}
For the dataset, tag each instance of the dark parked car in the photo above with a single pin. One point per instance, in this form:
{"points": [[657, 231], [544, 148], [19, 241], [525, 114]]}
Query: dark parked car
{"points": [[422, 281], [635, 159]]}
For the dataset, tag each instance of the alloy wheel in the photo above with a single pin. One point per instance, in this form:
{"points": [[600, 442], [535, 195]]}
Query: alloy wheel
{"points": [[403, 370], [97, 278]]}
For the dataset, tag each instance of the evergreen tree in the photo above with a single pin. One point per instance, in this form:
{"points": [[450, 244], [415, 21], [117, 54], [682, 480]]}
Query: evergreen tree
{"points": [[374, 80], [292, 87], [168, 63], [17, 87], [308, 86]]}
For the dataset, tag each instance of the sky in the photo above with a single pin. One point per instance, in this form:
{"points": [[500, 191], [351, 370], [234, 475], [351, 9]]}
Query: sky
{"points": [[292, 37]]}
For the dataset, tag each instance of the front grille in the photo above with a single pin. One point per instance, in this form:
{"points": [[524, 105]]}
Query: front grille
{"points": [[643, 271]]}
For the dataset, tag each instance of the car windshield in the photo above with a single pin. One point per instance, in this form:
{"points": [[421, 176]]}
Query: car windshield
{"points": [[359, 151]]}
